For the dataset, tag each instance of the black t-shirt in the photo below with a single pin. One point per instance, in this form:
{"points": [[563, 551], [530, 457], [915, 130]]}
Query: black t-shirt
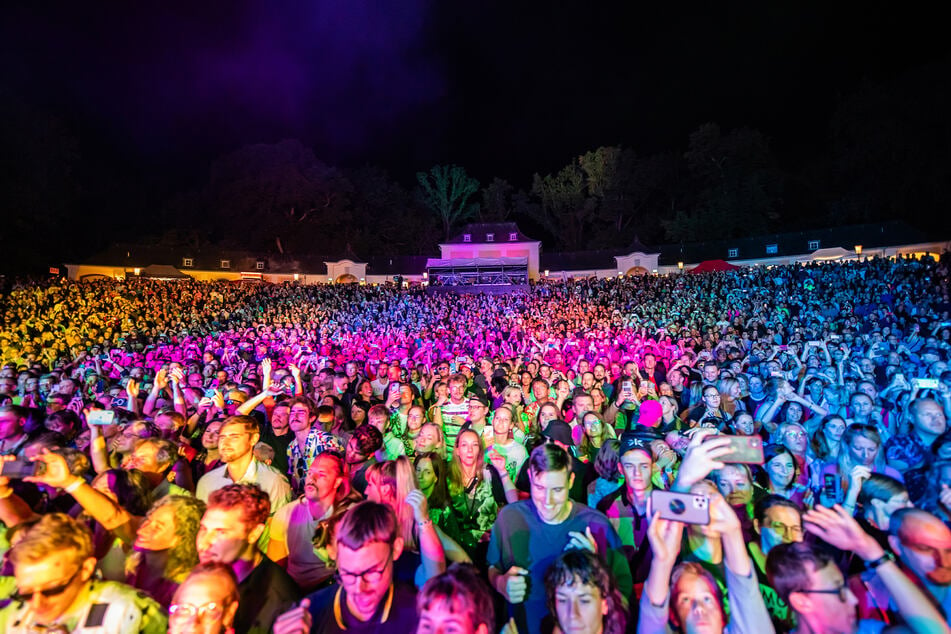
{"points": [[279, 444], [400, 618], [264, 595]]}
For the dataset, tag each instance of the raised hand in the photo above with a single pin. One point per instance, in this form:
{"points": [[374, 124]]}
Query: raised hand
{"points": [[664, 537], [837, 527], [703, 456], [416, 499]]}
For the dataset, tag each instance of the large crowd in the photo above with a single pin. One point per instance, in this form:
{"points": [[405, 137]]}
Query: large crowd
{"points": [[751, 451]]}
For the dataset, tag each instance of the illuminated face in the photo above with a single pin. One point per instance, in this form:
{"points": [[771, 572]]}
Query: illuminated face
{"points": [[223, 536], [539, 390], [457, 390], [235, 442], [580, 608], [201, 606], [834, 429], [695, 605], [781, 525], [549, 491], [502, 422], [546, 415], [467, 448], [323, 479], [366, 574], [781, 470], [58, 571], [439, 617], [425, 474], [427, 440], [157, 531], [300, 418], [415, 418], [795, 439], [837, 611], [735, 485], [863, 450], [744, 424], [928, 417], [637, 466], [925, 547]]}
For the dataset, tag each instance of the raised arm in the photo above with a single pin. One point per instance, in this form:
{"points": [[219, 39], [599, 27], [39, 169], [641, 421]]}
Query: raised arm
{"points": [[838, 528]]}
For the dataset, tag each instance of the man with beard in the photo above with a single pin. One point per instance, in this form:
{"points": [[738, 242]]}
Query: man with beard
{"points": [[236, 442], [293, 527]]}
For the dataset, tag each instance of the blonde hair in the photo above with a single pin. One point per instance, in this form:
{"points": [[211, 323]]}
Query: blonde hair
{"points": [[400, 476], [54, 533]]}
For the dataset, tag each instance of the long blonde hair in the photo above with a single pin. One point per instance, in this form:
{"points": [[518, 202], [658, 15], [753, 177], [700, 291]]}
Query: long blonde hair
{"points": [[400, 476]]}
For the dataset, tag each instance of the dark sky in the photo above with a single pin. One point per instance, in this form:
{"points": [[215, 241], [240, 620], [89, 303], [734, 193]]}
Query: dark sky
{"points": [[503, 88]]}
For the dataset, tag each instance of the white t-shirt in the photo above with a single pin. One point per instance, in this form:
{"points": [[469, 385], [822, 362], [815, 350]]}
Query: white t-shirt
{"points": [[294, 525]]}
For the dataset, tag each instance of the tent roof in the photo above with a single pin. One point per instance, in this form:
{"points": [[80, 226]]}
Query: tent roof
{"points": [[708, 266], [163, 271]]}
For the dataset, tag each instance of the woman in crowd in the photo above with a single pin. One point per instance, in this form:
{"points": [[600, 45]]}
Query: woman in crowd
{"points": [[779, 475], [476, 491], [430, 439], [607, 467], [432, 476], [594, 433], [730, 396], [826, 440], [860, 455]]}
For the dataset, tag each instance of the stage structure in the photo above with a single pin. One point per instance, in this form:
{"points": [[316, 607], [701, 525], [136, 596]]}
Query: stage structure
{"points": [[481, 272]]}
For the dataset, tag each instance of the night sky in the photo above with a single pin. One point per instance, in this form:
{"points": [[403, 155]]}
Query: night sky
{"points": [[503, 88]]}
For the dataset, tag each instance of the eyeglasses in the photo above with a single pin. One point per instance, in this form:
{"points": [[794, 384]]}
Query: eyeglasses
{"points": [[786, 530], [370, 576], [49, 593], [798, 435], [185, 612], [842, 591]]}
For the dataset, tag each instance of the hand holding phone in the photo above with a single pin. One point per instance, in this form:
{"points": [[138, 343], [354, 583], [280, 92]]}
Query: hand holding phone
{"points": [[688, 508], [101, 417]]}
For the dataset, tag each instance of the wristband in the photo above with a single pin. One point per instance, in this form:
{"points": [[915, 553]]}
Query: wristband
{"points": [[75, 485], [424, 523], [884, 559]]}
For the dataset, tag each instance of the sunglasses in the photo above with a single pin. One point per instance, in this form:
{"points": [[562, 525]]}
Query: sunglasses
{"points": [[49, 593]]}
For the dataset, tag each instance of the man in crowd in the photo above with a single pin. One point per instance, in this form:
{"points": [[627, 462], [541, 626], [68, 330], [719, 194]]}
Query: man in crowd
{"points": [[310, 440], [230, 529], [236, 442], [366, 598], [54, 568], [528, 536], [808, 580]]}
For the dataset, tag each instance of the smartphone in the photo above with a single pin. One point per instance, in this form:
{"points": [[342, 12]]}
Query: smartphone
{"points": [[744, 450], [645, 385], [627, 387], [101, 417], [18, 469], [830, 486], [210, 392], [688, 508], [925, 384]]}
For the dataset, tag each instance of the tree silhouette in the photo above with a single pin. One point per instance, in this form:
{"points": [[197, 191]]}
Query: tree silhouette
{"points": [[446, 191]]}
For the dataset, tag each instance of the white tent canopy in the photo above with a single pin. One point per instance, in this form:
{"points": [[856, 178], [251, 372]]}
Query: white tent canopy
{"points": [[832, 253]]}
